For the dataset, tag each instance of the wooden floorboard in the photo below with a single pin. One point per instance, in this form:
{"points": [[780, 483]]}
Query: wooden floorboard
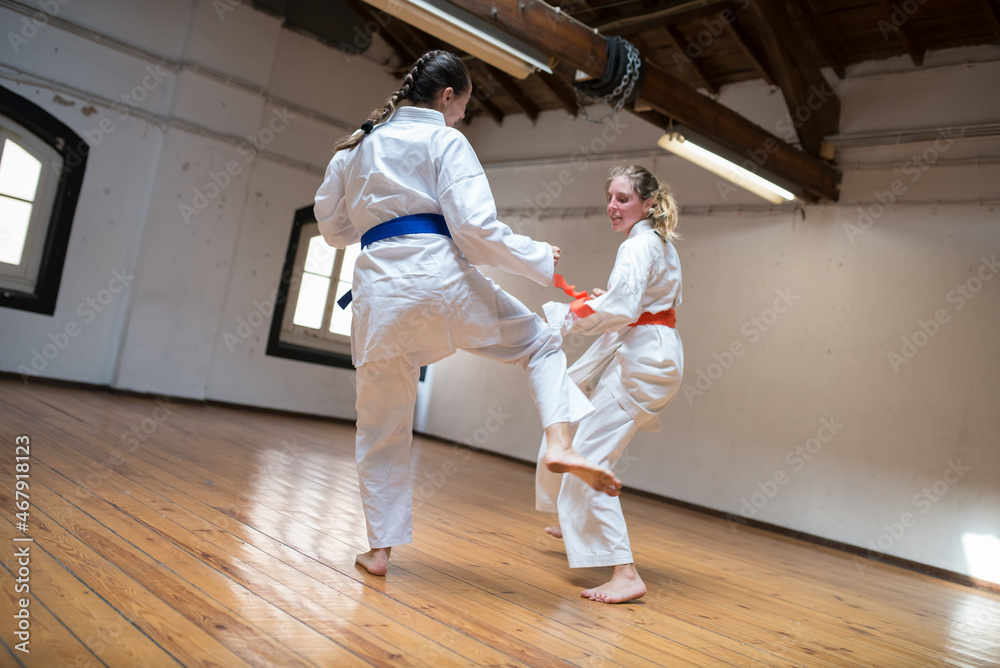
{"points": [[179, 534]]}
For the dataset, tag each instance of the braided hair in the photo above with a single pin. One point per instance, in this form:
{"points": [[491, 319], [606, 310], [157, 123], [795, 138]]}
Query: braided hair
{"points": [[663, 209], [433, 72]]}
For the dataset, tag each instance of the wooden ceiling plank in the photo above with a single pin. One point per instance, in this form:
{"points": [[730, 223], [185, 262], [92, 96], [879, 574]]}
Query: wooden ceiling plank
{"points": [[820, 33], [682, 60], [576, 44], [812, 104], [991, 8]]}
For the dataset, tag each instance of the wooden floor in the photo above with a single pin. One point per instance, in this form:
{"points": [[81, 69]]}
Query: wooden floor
{"points": [[173, 534]]}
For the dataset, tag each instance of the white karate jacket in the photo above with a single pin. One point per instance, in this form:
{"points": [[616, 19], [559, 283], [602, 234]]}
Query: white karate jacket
{"points": [[645, 363], [420, 293]]}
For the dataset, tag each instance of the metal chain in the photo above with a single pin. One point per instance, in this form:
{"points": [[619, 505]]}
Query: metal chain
{"points": [[623, 89]]}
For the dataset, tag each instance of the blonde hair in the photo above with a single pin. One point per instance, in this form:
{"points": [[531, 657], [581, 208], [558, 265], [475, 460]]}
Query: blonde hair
{"points": [[433, 72], [663, 209]]}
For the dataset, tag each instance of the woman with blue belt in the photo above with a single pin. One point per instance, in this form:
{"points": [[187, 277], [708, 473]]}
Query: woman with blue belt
{"points": [[409, 186]]}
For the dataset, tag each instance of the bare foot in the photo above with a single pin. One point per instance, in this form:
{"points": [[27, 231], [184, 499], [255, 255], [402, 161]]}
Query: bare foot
{"points": [[555, 532], [571, 461], [375, 561], [625, 585], [561, 457]]}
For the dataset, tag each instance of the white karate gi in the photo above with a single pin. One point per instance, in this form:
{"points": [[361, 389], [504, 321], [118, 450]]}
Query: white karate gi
{"points": [[417, 298], [636, 370]]}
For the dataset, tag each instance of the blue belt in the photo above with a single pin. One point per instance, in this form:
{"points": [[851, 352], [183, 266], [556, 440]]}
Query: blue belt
{"points": [[417, 223]]}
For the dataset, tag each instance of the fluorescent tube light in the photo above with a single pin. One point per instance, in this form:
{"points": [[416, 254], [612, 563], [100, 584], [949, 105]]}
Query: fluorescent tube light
{"points": [[675, 143], [469, 33]]}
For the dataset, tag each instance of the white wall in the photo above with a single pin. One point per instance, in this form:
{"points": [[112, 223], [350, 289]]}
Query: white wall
{"points": [[858, 286]]}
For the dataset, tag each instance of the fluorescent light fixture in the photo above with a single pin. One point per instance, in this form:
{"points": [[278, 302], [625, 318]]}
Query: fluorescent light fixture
{"points": [[675, 143], [469, 33]]}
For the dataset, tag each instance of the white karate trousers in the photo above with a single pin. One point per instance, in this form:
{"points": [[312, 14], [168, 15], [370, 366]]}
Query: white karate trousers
{"points": [[386, 395], [592, 523]]}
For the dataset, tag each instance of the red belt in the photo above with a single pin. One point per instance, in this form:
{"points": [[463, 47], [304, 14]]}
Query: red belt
{"points": [[582, 310]]}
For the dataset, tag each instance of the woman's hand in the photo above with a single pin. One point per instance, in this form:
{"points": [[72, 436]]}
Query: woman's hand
{"points": [[597, 292], [555, 255]]}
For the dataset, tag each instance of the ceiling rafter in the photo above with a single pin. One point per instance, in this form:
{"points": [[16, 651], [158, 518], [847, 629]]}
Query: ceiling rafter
{"points": [[561, 91], [400, 36], [484, 84], [515, 92], [627, 24], [758, 60], [580, 46], [813, 106], [991, 8], [892, 22], [820, 32], [681, 59]]}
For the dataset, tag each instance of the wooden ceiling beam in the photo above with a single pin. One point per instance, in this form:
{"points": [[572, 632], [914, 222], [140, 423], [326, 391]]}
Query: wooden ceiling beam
{"points": [[641, 22], [682, 60], [482, 88], [820, 33], [758, 60], [515, 92], [563, 93], [991, 8], [564, 38], [493, 110], [897, 21], [813, 106]]}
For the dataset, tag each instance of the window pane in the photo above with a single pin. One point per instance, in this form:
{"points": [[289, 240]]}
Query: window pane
{"points": [[14, 217], [340, 322], [312, 301], [319, 259], [19, 172]]}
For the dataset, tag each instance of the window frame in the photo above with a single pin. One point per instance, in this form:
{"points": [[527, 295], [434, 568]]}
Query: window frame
{"points": [[25, 279], [291, 274], [73, 151]]}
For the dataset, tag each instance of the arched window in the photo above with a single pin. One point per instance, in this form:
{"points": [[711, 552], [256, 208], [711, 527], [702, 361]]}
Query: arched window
{"points": [[41, 169]]}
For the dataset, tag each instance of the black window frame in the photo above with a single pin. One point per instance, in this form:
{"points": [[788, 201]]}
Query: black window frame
{"points": [[275, 346], [74, 152]]}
